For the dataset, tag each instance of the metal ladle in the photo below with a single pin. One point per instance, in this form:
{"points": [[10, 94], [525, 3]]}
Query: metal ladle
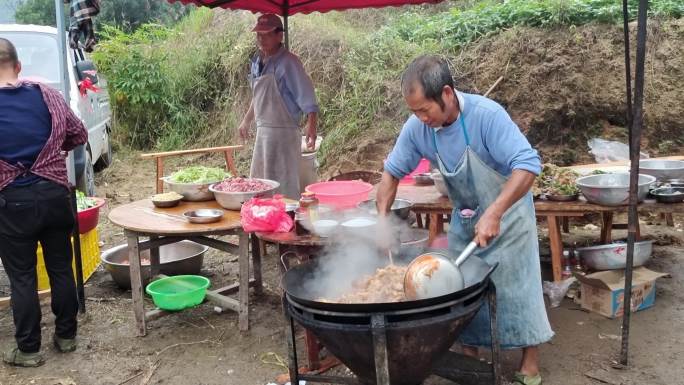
{"points": [[434, 274]]}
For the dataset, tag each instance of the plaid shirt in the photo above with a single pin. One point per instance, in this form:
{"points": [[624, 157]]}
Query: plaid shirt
{"points": [[84, 9], [67, 132]]}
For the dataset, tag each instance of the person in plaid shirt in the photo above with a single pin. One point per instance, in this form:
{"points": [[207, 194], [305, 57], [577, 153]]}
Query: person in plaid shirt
{"points": [[37, 128]]}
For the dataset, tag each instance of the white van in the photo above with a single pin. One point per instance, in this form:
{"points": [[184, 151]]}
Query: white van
{"points": [[38, 51]]}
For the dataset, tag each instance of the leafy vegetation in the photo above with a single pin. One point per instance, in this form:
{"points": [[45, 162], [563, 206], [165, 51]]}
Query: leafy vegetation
{"points": [[186, 85], [125, 14]]}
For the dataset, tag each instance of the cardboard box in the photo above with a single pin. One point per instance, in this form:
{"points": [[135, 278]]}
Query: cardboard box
{"points": [[603, 292]]}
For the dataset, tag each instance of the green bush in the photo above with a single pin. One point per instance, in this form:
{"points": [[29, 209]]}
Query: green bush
{"points": [[187, 85]]}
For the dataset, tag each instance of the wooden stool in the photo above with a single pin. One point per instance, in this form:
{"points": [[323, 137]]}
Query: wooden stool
{"points": [[228, 152]]}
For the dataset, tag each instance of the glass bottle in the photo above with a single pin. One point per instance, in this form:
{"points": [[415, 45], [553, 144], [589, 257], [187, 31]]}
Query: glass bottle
{"points": [[567, 266], [578, 268]]}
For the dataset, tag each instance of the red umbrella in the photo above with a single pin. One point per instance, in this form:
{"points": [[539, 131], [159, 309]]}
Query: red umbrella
{"points": [[285, 8], [290, 7]]}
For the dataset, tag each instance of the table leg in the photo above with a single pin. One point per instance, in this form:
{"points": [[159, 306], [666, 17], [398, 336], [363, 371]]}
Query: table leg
{"points": [[154, 257], [256, 263], [669, 220], [556, 244], [606, 227], [243, 293], [435, 226], [566, 224], [136, 282]]}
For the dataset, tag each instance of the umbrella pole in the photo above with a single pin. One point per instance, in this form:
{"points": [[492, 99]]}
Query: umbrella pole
{"points": [[628, 65], [286, 29], [635, 147]]}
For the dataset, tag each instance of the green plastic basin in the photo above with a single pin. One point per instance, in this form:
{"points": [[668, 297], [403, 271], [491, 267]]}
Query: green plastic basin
{"points": [[178, 292]]}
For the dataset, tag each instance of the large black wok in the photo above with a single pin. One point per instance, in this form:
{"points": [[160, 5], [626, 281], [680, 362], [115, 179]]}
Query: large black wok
{"points": [[416, 333], [475, 271]]}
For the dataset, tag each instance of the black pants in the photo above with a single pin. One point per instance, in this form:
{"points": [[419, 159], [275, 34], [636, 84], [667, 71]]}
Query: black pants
{"points": [[38, 213]]}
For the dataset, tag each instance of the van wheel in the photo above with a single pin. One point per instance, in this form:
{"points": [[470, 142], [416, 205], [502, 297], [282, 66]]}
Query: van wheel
{"points": [[106, 157], [86, 182]]}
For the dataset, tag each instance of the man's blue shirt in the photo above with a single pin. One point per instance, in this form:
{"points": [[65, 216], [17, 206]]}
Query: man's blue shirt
{"points": [[494, 137]]}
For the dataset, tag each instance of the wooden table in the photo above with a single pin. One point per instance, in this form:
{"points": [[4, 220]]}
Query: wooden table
{"points": [[165, 226], [427, 200]]}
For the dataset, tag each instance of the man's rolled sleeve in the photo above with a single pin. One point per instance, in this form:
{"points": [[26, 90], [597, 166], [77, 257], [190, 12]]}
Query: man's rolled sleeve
{"points": [[509, 146], [405, 156], [300, 85]]}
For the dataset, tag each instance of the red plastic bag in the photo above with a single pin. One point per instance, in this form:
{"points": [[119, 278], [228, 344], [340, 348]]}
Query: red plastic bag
{"points": [[266, 215]]}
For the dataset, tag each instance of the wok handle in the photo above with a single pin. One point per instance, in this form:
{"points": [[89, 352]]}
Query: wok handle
{"points": [[285, 260], [466, 253]]}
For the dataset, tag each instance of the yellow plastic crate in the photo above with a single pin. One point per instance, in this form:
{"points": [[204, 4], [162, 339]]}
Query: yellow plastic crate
{"points": [[90, 255]]}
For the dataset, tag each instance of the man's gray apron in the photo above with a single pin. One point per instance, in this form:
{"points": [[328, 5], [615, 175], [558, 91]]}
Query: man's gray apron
{"points": [[278, 144], [521, 314]]}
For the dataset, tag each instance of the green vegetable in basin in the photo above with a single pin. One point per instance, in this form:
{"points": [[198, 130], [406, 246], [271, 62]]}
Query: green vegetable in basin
{"points": [[83, 202], [199, 174]]}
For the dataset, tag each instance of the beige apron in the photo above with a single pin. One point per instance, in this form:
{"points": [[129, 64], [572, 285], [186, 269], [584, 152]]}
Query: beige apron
{"points": [[277, 148]]}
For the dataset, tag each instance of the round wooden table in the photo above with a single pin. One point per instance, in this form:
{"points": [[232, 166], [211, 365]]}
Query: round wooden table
{"points": [[167, 225]]}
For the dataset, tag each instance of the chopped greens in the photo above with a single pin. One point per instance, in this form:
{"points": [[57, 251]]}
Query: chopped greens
{"points": [[199, 174], [554, 180], [83, 202]]}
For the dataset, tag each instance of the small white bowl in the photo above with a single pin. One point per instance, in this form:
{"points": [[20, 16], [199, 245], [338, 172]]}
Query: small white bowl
{"points": [[325, 227]]}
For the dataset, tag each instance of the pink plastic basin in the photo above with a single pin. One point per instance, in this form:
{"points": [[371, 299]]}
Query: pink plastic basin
{"points": [[423, 166], [341, 194]]}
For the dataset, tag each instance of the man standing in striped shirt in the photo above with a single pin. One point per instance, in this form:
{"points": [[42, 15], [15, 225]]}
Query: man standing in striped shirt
{"points": [[37, 128]]}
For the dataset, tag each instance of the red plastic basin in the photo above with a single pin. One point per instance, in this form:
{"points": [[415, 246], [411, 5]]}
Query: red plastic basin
{"points": [[87, 219], [341, 194]]}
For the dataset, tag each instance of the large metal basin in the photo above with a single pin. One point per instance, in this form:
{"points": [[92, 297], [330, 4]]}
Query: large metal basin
{"points": [[612, 189], [185, 257], [614, 256], [662, 169], [234, 200], [400, 207]]}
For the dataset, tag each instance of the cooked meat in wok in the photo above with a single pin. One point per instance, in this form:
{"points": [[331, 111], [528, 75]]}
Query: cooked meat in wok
{"points": [[386, 285]]}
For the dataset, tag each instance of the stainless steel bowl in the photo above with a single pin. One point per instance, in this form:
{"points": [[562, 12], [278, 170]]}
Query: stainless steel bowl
{"points": [[612, 189], [669, 194], [439, 183], [662, 169], [675, 182], [203, 215], [614, 255], [400, 207], [185, 257], [192, 192], [562, 198], [234, 200]]}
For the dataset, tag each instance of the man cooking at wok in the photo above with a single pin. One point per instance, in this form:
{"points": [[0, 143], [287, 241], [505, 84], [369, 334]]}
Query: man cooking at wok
{"points": [[488, 167]]}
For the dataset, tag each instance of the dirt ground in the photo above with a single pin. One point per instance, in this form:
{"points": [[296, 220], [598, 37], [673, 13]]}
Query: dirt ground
{"points": [[199, 346]]}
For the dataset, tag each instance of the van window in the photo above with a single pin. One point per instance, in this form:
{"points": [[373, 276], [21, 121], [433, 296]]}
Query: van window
{"points": [[38, 54]]}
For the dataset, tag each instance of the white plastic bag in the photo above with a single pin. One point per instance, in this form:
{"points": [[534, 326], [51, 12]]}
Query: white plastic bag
{"points": [[556, 290], [605, 151]]}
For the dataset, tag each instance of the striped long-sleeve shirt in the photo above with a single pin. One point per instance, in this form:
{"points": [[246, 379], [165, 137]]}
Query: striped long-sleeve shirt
{"points": [[67, 132]]}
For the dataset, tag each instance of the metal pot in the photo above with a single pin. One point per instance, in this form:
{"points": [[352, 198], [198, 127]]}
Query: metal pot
{"points": [[185, 257], [234, 200], [400, 207], [612, 189], [662, 169], [614, 256], [669, 194]]}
